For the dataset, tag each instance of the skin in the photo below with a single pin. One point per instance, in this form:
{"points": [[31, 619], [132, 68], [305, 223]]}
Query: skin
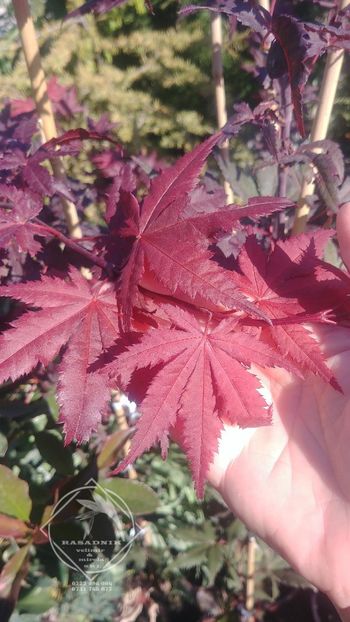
{"points": [[290, 482]]}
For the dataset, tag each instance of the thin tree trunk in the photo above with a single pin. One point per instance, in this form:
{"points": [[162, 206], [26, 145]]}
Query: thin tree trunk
{"points": [[220, 96], [320, 125], [42, 101]]}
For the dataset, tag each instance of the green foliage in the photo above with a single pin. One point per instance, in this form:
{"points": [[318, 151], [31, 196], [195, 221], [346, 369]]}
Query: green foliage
{"points": [[49, 443], [183, 541], [152, 76], [139, 497], [14, 498], [40, 598]]}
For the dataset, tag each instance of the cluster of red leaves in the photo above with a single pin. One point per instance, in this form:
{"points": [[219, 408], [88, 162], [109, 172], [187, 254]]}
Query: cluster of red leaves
{"points": [[161, 317]]}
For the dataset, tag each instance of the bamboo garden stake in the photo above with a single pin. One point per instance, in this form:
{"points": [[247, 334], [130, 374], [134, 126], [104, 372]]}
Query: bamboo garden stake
{"points": [[42, 101], [132, 473], [321, 122], [219, 84], [250, 585], [123, 425]]}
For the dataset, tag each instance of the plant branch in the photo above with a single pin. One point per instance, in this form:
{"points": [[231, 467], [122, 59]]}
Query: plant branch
{"points": [[47, 230], [42, 102], [320, 125], [220, 96], [279, 220], [286, 97]]}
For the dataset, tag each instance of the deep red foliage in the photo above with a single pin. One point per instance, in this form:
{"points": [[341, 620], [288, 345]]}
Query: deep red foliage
{"points": [[64, 100], [202, 325], [169, 252], [185, 293], [82, 318], [203, 382]]}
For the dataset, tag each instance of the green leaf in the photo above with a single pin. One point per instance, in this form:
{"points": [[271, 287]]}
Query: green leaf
{"points": [[14, 496], [50, 445], [39, 422], [215, 562], [139, 497], [288, 576], [204, 534], [237, 530], [196, 556], [52, 404], [40, 598], [233, 579]]}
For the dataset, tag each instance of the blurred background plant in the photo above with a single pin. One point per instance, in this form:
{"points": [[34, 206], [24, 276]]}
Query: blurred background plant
{"points": [[151, 75], [192, 564]]}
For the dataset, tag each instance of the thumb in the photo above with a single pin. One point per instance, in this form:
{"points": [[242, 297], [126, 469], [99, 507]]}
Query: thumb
{"points": [[343, 233]]}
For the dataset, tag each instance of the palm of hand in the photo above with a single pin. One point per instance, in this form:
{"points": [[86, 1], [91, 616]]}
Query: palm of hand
{"points": [[289, 482]]}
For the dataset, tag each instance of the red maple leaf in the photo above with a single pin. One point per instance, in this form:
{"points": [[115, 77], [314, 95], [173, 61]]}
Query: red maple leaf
{"points": [[272, 281], [170, 240], [17, 210], [75, 314], [204, 380]]}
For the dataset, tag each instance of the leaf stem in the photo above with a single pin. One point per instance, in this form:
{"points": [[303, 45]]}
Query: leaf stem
{"points": [[320, 125], [42, 101], [286, 96], [98, 261], [220, 96]]}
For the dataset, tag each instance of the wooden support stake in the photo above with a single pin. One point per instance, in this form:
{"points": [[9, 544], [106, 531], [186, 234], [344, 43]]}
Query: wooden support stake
{"points": [[219, 83], [132, 474], [250, 585], [123, 425], [42, 101], [321, 122]]}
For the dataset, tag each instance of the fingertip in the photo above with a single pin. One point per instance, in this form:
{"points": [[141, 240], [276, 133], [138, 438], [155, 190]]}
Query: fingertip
{"points": [[343, 233]]}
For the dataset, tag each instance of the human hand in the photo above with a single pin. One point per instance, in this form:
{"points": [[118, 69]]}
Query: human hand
{"points": [[290, 482]]}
